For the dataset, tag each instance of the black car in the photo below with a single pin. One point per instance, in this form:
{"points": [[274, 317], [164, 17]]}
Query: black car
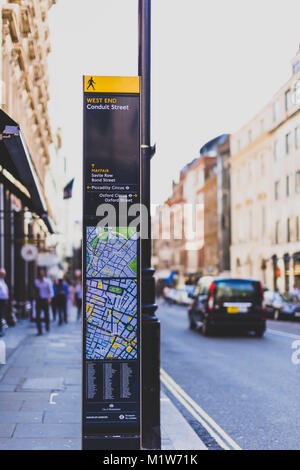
{"points": [[228, 303], [281, 307]]}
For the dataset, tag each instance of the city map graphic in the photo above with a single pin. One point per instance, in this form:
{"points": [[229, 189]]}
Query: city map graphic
{"points": [[111, 252], [111, 315]]}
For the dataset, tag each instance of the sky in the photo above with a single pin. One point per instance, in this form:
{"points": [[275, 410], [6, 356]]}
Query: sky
{"points": [[215, 64]]}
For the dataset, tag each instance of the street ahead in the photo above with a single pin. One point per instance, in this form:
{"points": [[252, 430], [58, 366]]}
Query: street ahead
{"points": [[248, 386]]}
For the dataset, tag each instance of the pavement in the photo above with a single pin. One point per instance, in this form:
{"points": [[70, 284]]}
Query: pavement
{"points": [[40, 393]]}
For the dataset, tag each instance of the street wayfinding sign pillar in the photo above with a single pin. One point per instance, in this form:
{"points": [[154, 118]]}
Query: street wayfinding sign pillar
{"points": [[111, 264]]}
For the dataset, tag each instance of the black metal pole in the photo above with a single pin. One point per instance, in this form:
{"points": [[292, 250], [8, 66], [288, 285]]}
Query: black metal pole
{"points": [[150, 324]]}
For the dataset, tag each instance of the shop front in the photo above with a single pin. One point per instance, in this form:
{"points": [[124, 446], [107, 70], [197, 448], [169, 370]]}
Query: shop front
{"points": [[296, 258], [23, 214]]}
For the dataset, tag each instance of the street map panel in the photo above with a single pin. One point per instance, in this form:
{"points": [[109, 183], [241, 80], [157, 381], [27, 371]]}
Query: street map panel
{"points": [[111, 252], [111, 315]]}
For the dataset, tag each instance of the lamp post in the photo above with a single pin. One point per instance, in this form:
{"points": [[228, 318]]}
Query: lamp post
{"points": [[150, 410]]}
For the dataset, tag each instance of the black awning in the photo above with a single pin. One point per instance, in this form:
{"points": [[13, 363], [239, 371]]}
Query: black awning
{"points": [[16, 158], [6, 120]]}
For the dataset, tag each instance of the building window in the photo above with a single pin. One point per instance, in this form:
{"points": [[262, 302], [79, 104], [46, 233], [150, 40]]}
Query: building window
{"points": [[288, 143], [277, 227], [250, 171], [201, 178], [277, 184], [296, 96], [263, 221], [296, 67], [262, 165], [275, 110], [239, 178], [297, 137], [288, 229], [297, 183], [240, 229], [201, 198], [298, 228], [276, 150], [288, 186], [288, 100], [250, 136], [250, 226]]}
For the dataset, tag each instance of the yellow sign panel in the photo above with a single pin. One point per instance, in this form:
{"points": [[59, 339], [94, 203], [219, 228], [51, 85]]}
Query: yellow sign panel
{"points": [[94, 84]]}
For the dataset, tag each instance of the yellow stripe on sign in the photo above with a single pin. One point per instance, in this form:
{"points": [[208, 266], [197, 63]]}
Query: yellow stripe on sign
{"points": [[94, 84]]}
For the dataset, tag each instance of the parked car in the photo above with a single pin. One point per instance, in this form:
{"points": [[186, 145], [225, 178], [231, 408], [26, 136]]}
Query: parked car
{"points": [[184, 295], [180, 296], [228, 303], [281, 307]]}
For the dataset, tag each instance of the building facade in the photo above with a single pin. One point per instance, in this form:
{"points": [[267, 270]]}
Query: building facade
{"points": [[217, 205], [265, 196], [26, 211], [197, 216], [224, 204]]}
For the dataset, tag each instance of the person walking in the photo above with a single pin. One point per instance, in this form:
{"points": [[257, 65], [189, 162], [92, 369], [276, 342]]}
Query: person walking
{"points": [[78, 297], [4, 296], [61, 301], [54, 300], [295, 292], [44, 296]]}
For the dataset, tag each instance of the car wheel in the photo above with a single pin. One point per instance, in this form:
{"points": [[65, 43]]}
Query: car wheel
{"points": [[276, 315], [206, 328], [192, 324], [259, 333]]}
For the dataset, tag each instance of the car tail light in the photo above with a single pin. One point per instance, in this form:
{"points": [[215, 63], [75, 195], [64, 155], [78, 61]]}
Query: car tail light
{"points": [[263, 305], [211, 297]]}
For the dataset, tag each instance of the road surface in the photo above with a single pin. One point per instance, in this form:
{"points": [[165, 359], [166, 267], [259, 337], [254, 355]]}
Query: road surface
{"points": [[237, 391]]}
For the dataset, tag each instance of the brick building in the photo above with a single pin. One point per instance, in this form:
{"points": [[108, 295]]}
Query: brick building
{"points": [[199, 206]]}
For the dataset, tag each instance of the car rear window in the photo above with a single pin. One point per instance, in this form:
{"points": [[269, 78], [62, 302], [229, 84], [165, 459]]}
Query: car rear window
{"points": [[237, 291]]}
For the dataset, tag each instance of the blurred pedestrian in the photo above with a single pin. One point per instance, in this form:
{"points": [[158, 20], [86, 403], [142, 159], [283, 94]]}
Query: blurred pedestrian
{"points": [[54, 300], [295, 292], [4, 296], [78, 297], [61, 301], [44, 296]]}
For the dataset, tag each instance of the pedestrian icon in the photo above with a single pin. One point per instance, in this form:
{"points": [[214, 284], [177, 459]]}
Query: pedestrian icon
{"points": [[91, 83]]}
